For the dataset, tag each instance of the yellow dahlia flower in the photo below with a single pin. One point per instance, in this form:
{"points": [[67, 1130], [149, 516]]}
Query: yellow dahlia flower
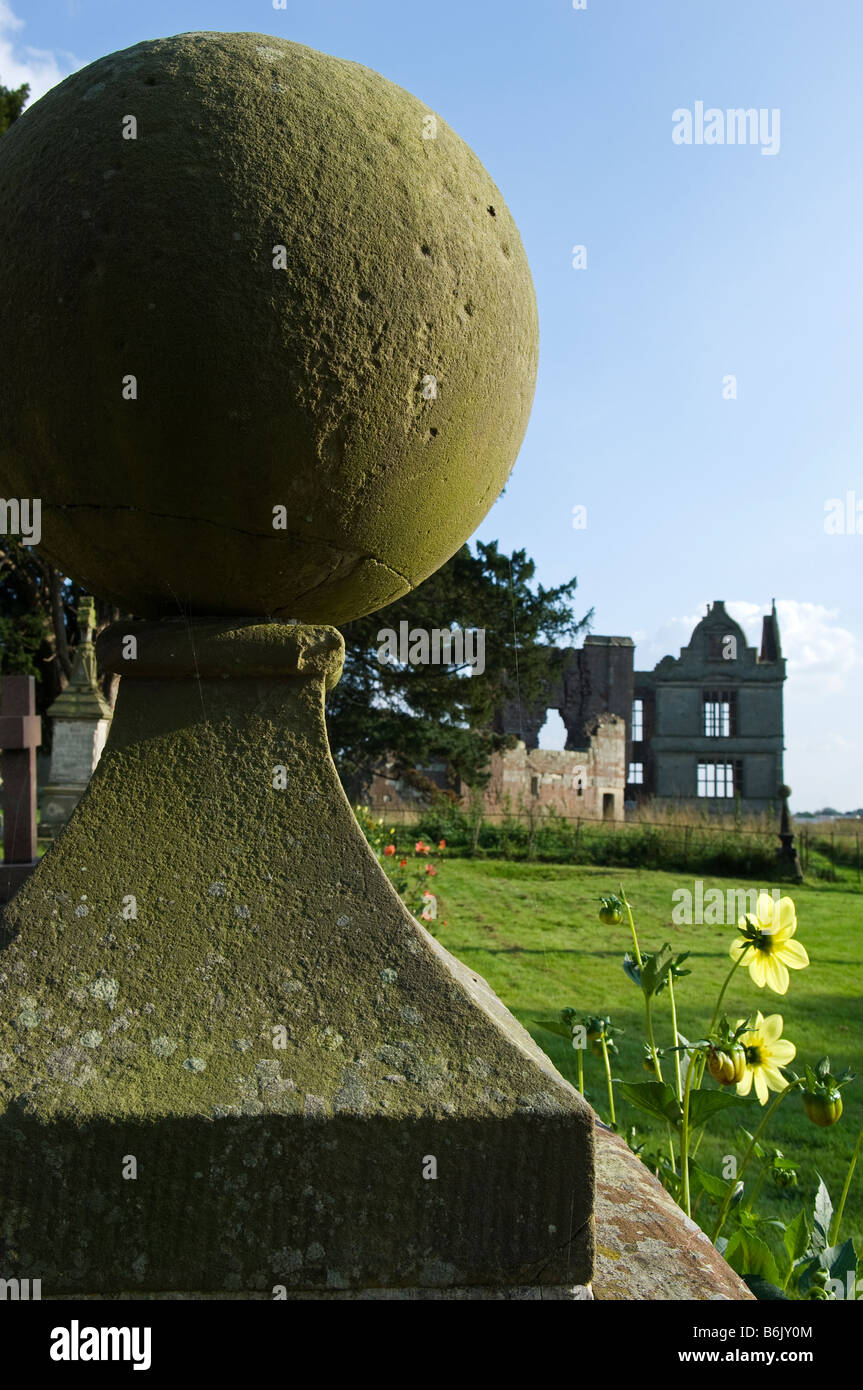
{"points": [[766, 1051], [767, 945]]}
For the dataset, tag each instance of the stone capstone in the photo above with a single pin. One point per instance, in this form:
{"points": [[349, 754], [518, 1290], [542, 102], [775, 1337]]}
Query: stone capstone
{"points": [[268, 255]]}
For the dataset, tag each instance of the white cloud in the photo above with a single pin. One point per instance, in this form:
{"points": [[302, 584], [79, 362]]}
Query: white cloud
{"points": [[20, 63], [821, 653]]}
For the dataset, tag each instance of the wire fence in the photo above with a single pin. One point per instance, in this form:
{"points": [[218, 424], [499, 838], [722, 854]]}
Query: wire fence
{"points": [[720, 848]]}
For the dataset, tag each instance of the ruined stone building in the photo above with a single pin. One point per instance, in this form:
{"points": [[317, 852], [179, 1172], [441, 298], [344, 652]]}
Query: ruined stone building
{"points": [[709, 722], [703, 728]]}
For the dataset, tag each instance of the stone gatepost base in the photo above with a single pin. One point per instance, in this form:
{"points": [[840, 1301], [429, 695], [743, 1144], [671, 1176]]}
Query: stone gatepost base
{"points": [[230, 1059], [536, 1293]]}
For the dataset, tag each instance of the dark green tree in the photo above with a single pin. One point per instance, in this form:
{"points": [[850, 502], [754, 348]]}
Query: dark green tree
{"points": [[12, 102], [37, 604], [411, 715]]}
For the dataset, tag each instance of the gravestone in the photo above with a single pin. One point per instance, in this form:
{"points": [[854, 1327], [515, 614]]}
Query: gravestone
{"points": [[230, 1059], [81, 718], [20, 736]]}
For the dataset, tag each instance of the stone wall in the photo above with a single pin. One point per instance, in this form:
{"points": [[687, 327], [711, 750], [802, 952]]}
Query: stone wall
{"points": [[583, 782], [587, 782]]}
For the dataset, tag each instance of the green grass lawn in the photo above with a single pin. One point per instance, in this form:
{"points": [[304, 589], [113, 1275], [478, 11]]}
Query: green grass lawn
{"points": [[532, 931]]}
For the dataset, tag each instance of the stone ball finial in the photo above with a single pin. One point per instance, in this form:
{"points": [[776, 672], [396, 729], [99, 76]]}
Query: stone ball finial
{"points": [[784, 791], [273, 329]]}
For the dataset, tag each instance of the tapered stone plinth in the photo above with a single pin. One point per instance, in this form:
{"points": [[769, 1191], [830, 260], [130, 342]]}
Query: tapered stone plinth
{"points": [[210, 984]]}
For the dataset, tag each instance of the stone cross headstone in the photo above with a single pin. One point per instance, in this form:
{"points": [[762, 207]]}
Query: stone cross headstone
{"points": [[20, 736], [233, 1061], [81, 718]]}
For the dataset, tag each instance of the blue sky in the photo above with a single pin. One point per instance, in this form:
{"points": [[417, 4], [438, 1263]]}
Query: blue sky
{"points": [[703, 261]]}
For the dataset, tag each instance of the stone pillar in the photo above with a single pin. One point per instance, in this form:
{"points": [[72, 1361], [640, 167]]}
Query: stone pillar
{"points": [[222, 985], [81, 720], [230, 1059]]}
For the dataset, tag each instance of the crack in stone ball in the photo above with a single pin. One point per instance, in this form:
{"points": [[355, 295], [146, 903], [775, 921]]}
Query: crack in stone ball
{"points": [[270, 331]]}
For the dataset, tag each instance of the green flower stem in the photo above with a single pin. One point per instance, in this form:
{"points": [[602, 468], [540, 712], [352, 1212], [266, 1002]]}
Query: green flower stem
{"points": [[837, 1219], [756, 1189], [625, 902], [579, 1052], [684, 1133], [671, 1149], [605, 1057], [674, 1031], [653, 1052], [727, 982], [722, 991], [749, 1152]]}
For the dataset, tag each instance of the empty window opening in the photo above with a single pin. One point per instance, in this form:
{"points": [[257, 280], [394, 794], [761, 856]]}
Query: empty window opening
{"points": [[552, 735], [720, 713], [720, 779], [637, 721]]}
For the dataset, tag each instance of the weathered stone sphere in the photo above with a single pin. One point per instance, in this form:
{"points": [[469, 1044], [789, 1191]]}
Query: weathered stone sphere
{"points": [[239, 276]]}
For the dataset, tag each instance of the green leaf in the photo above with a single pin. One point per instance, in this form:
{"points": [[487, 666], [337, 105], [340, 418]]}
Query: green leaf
{"points": [[749, 1255], [717, 1188], [656, 968], [797, 1234], [839, 1261], [553, 1025], [655, 1098], [630, 966], [746, 1140], [822, 1216], [784, 1263], [704, 1104], [764, 1291]]}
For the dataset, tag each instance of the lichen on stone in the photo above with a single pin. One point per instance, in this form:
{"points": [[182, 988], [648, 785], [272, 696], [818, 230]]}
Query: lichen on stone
{"points": [[106, 989]]}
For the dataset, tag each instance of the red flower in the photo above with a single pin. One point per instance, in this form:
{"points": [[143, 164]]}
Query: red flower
{"points": [[419, 847], [442, 844], [430, 869], [389, 849], [403, 863]]}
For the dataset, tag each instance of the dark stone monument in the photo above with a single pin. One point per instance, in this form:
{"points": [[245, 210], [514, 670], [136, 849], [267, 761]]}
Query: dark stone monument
{"points": [[81, 718], [788, 859], [230, 1059], [20, 736]]}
